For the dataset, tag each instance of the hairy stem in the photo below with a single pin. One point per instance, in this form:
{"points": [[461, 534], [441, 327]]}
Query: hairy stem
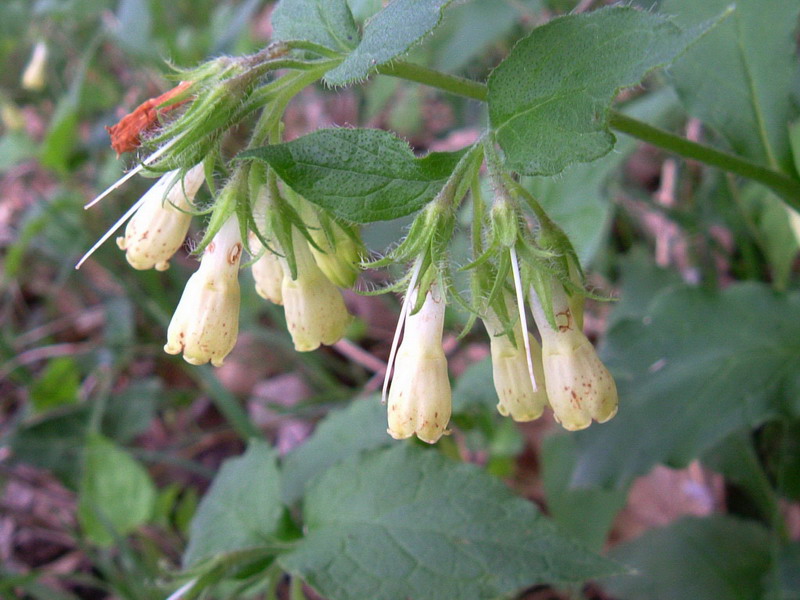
{"points": [[784, 186]]}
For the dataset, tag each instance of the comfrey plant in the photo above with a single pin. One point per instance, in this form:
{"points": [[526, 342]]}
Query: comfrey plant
{"points": [[405, 522], [295, 207]]}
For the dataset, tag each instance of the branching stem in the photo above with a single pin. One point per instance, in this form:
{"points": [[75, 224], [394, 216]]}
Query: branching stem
{"points": [[784, 186]]}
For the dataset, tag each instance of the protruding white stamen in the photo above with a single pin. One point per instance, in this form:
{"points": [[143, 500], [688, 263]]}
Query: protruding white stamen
{"points": [[118, 183], [178, 594], [406, 308], [522, 318], [120, 222]]}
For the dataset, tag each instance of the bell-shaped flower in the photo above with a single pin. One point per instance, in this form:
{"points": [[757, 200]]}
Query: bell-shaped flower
{"points": [[267, 272], [206, 322], [314, 307], [511, 371], [159, 226], [420, 396], [579, 387]]}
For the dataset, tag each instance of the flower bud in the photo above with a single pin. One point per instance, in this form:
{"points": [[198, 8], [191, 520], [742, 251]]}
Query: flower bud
{"points": [[159, 226], [579, 387], [505, 222], [314, 307], [512, 380], [338, 262], [267, 272], [33, 77], [420, 397], [206, 322]]}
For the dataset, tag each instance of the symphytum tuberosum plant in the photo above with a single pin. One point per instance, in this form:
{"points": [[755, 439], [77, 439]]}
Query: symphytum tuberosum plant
{"points": [[292, 211]]}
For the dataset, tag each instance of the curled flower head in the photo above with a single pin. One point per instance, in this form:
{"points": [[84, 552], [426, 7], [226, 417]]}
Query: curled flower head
{"points": [[206, 322], [267, 272], [510, 370], [159, 226], [314, 307], [420, 396], [579, 387]]}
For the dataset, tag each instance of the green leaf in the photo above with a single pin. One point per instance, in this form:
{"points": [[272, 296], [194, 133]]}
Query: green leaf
{"points": [[325, 22], [474, 389], [579, 200], [737, 78], [116, 494], [241, 510], [717, 558], [54, 442], [360, 175], [56, 386], [342, 434], [61, 137], [387, 35], [131, 411], [585, 514], [735, 459], [15, 147], [409, 523], [549, 99], [470, 29], [696, 367], [774, 222], [784, 581]]}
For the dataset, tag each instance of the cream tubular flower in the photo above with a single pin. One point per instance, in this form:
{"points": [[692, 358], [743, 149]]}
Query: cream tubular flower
{"points": [[420, 397], [579, 387], [159, 226], [267, 272], [314, 307], [33, 77], [512, 380], [206, 322]]}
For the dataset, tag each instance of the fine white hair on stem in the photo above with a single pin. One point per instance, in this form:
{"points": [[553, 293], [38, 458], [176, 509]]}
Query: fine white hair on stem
{"points": [[120, 222], [405, 309], [523, 319], [119, 182]]}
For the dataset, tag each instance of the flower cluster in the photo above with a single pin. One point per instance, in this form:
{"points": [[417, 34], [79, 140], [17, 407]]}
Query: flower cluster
{"points": [[302, 257]]}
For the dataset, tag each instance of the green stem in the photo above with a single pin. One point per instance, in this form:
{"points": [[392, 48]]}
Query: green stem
{"points": [[785, 187], [448, 83], [296, 589]]}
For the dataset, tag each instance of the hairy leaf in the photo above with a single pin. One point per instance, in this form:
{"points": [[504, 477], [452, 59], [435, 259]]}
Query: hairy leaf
{"points": [[361, 175], [116, 495], [695, 367], [241, 510], [549, 99], [408, 523], [342, 434], [737, 79], [719, 557], [387, 35], [325, 22]]}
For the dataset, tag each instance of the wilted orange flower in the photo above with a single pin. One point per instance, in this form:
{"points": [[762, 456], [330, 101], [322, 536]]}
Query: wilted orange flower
{"points": [[126, 135]]}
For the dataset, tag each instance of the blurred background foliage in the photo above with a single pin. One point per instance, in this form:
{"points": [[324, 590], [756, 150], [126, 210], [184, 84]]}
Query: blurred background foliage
{"points": [[107, 444]]}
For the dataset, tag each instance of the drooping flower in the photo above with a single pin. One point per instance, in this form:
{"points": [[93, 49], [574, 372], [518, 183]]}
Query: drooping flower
{"points": [[420, 396], [33, 77], [206, 321], [267, 272], [159, 226], [314, 307], [579, 387], [510, 371]]}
